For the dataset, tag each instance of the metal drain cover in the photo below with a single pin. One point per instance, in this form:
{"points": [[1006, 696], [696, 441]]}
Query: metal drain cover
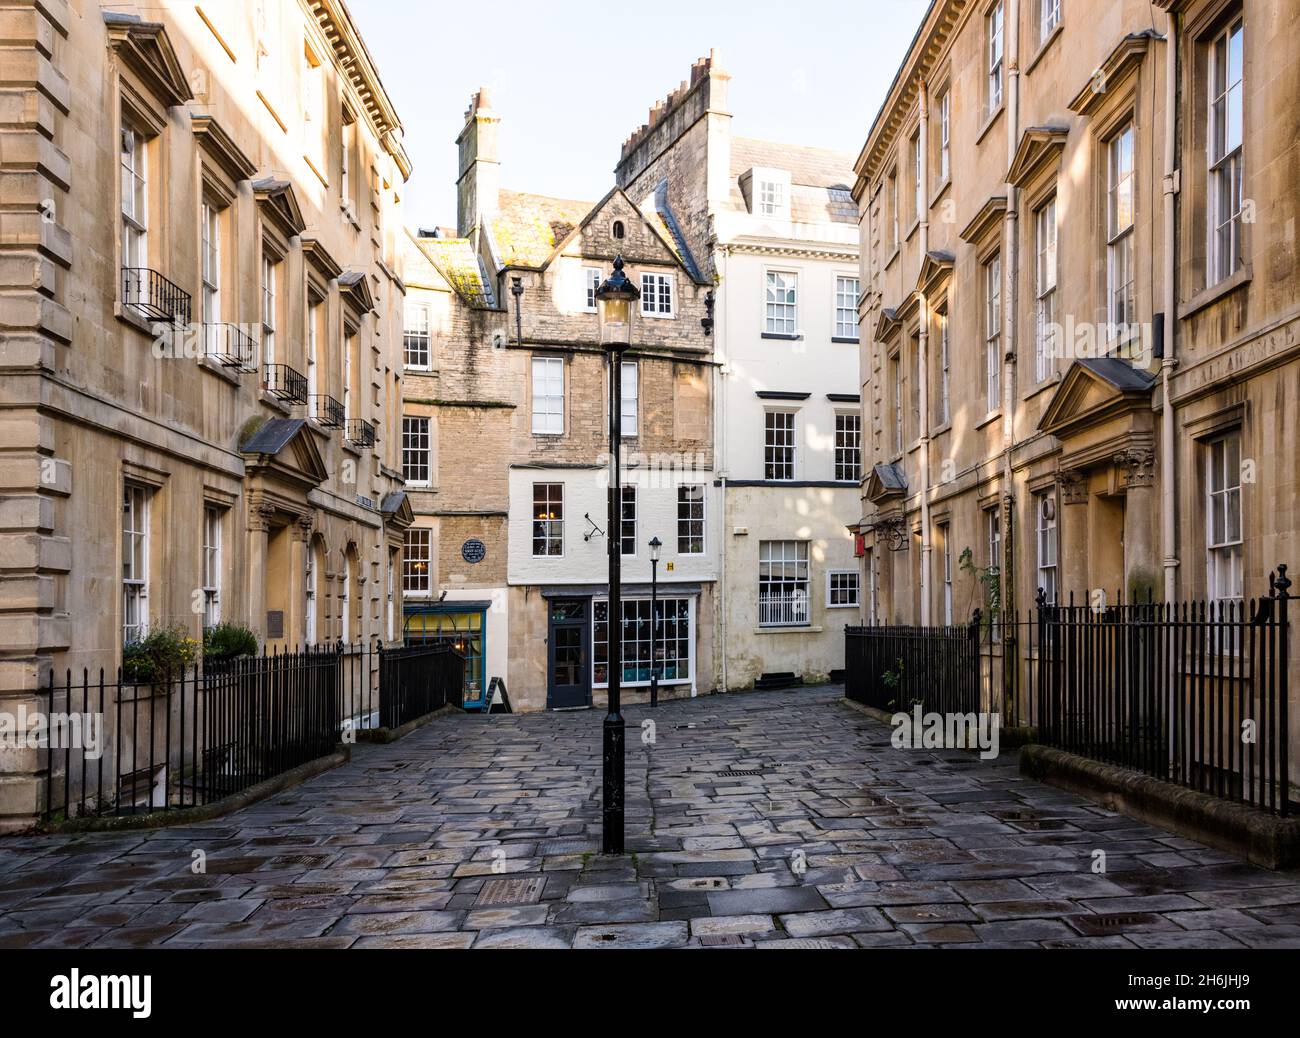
{"points": [[287, 861], [736, 772], [720, 940], [1099, 925], [526, 891]]}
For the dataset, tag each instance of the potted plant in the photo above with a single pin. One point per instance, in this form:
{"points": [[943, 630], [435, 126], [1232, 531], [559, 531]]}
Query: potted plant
{"points": [[159, 656], [227, 641]]}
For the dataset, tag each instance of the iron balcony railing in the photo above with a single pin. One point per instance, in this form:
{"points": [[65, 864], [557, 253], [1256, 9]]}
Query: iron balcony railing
{"points": [[327, 411], [285, 383], [783, 610], [229, 346], [360, 432], [153, 296]]}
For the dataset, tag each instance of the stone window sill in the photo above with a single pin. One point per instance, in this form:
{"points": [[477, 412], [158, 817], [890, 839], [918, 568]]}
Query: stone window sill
{"points": [[988, 122], [1215, 292], [1044, 46], [790, 629], [989, 419]]}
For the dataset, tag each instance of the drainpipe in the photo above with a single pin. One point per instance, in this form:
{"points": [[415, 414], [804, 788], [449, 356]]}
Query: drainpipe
{"points": [[720, 464], [922, 367], [1010, 266], [1168, 529]]}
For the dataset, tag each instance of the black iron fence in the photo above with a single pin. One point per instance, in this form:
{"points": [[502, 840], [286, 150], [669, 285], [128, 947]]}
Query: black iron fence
{"points": [[112, 746], [1194, 693], [898, 668]]}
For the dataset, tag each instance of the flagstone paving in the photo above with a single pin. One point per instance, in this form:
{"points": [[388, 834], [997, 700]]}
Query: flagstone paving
{"points": [[773, 819]]}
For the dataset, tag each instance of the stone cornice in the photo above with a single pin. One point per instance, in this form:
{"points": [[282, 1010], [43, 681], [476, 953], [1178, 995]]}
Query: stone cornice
{"points": [[1122, 60]]}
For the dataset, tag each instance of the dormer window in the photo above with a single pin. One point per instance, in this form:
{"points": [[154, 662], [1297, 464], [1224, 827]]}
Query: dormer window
{"points": [[771, 198]]}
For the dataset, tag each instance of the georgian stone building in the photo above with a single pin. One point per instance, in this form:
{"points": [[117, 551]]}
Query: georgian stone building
{"points": [[1080, 320], [773, 226], [506, 451], [200, 324]]}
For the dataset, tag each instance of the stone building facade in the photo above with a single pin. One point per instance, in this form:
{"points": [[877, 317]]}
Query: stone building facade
{"points": [[774, 228], [1078, 249], [517, 391], [200, 325]]}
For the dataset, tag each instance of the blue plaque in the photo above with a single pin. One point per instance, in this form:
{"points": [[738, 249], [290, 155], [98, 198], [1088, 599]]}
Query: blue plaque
{"points": [[473, 550]]}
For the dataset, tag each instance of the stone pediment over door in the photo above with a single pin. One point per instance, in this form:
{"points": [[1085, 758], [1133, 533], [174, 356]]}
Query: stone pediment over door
{"points": [[283, 464], [1102, 404]]}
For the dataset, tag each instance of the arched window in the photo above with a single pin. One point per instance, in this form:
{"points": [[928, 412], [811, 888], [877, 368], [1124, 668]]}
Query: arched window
{"points": [[618, 230], [345, 605]]}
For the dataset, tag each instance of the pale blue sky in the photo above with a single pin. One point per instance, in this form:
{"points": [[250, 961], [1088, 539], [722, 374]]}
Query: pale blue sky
{"points": [[572, 80]]}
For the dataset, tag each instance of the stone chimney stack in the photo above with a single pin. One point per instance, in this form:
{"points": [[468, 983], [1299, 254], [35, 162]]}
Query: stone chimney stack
{"points": [[479, 179]]}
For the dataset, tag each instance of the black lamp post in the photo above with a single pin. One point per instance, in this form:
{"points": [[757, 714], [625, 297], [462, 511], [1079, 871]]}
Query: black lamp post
{"points": [[616, 299], [655, 545]]}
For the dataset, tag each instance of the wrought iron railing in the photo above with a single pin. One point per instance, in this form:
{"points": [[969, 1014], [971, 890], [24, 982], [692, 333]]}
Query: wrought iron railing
{"points": [[327, 411], [897, 667], [285, 383], [153, 296], [783, 610], [230, 346], [215, 728], [360, 433]]}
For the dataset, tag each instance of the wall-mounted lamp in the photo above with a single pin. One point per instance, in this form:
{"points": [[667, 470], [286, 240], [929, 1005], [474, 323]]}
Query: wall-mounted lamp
{"points": [[707, 322], [517, 290]]}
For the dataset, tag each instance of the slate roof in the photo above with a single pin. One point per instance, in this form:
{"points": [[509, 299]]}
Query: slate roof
{"points": [[529, 227], [272, 436], [456, 260], [1119, 373], [891, 476], [821, 179]]}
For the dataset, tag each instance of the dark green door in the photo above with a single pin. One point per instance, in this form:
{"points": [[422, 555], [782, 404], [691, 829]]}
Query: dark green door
{"points": [[568, 678]]}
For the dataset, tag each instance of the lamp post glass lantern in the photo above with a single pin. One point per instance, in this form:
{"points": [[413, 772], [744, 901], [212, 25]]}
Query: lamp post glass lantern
{"points": [[615, 300], [655, 545]]}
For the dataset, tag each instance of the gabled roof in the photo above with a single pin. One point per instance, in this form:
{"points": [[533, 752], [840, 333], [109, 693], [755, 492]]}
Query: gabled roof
{"points": [[284, 445], [276, 200], [886, 481], [527, 228], [458, 263], [1038, 146], [671, 230], [396, 508], [146, 50], [1095, 388], [354, 287]]}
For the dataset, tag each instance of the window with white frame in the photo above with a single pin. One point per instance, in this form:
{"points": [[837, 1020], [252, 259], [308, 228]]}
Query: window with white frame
{"points": [[673, 640], [314, 312], [345, 596], [896, 380], [629, 391], [268, 308], [846, 307], [1224, 152], [892, 202], [841, 588], [135, 199], [415, 335], [1223, 517], [917, 186], [135, 562], [993, 37], [346, 147], [590, 282], [309, 592], [945, 370], [627, 522], [781, 297], [1045, 344], [848, 447], [771, 197], [945, 538], [548, 396], [657, 295], [778, 445], [1045, 509], [993, 334], [210, 258], [548, 520], [993, 540], [417, 561], [690, 519], [1049, 17], [1120, 191], [388, 597], [212, 517], [416, 450], [945, 134], [783, 584]]}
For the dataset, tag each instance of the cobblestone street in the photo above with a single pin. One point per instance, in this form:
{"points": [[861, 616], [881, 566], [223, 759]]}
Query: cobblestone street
{"points": [[775, 819]]}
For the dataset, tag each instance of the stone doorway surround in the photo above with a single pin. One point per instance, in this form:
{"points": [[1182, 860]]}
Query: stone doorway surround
{"points": [[1101, 414]]}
